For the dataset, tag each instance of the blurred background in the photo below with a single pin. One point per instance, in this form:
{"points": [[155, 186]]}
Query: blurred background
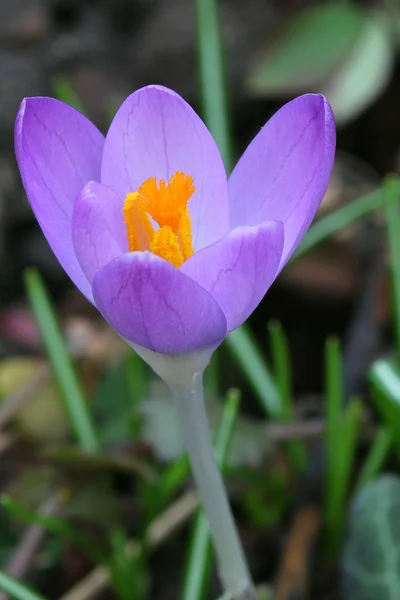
{"points": [[92, 54]]}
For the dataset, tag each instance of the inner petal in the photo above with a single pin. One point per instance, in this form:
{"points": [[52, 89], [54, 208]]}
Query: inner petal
{"points": [[166, 204]]}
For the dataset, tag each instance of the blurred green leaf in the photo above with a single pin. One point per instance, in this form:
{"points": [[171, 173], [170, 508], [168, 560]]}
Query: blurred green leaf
{"points": [[112, 406], [334, 405], [212, 77], [54, 525], [197, 572], [371, 557], [8, 537], [282, 369], [307, 49], [283, 379], [93, 501], [128, 568], [342, 423], [265, 498], [245, 351], [173, 477], [17, 590], [376, 457], [33, 486], [138, 374], [364, 73], [391, 192], [103, 463], [335, 221], [384, 377], [64, 91], [74, 399]]}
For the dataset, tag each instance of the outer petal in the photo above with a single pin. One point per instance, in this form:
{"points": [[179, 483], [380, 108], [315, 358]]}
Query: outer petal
{"points": [[284, 173], [151, 303], [98, 228], [58, 150], [238, 269], [156, 133]]}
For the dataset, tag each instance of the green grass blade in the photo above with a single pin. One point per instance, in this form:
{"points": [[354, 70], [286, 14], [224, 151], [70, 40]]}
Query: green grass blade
{"points": [[137, 378], [212, 81], [197, 573], [332, 223], [392, 196], [173, 477], [384, 377], [376, 457], [282, 369], [64, 91], [283, 379], [66, 377], [212, 375], [53, 525], [248, 357], [334, 402], [341, 437], [346, 451], [17, 590]]}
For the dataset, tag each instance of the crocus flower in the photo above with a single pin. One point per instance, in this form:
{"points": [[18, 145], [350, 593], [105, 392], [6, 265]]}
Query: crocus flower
{"points": [[146, 224], [172, 253]]}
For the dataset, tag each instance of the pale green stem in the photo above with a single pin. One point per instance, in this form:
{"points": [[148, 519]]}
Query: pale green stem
{"points": [[233, 569]]}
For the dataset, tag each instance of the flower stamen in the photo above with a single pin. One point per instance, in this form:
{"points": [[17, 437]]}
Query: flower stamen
{"points": [[166, 204]]}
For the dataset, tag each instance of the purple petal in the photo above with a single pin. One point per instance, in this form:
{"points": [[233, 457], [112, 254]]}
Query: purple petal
{"points": [[151, 303], [154, 134], [238, 269], [98, 228], [58, 151], [284, 173]]}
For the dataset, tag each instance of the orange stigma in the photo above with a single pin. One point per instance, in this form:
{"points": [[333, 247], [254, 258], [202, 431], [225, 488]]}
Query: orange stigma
{"points": [[166, 204]]}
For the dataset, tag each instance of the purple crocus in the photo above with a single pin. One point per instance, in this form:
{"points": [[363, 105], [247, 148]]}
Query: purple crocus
{"points": [[147, 225]]}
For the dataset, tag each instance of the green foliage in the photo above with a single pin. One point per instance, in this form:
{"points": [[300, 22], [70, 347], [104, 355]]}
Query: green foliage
{"points": [[384, 377], [371, 557], [212, 77], [64, 91], [283, 379], [381, 446], [365, 72], [53, 525], [392, 197], [244, 350], [337, 48], [17, 590], [8, 537], [341, 437], [128, 568], [308, 48], [74, 398], [127, 385], [265, 497], [327, 226]]}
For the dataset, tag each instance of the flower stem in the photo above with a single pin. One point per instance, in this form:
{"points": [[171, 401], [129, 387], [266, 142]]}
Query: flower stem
{"points": [[233, 568]]}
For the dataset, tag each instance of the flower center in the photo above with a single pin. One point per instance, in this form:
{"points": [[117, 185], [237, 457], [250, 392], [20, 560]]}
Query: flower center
{"points": [[166, 204]]}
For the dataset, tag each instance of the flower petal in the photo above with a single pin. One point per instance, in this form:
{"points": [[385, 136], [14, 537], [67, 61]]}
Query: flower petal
{"points": [[98, 228], [58, 151], [284, 173], [156, 133], [151, 303], [238, 269]]}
